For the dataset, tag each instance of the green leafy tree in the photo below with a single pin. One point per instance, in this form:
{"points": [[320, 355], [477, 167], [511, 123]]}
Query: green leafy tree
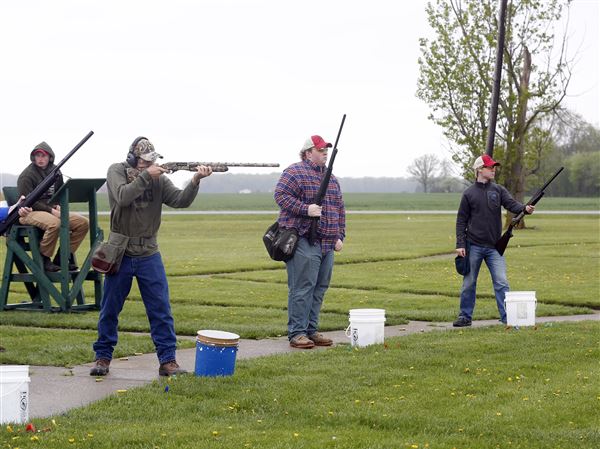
{"points": [[456, 77]]}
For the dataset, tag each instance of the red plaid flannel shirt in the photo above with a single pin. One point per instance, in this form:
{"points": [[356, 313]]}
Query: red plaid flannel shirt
{"points": [[296, 190]]}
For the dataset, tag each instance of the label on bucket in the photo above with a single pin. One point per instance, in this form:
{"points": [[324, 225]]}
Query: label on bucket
{"points": [[14, 394]]}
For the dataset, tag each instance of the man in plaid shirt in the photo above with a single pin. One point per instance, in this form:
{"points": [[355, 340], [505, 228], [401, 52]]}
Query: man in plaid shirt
{"points": [[309, 270]]}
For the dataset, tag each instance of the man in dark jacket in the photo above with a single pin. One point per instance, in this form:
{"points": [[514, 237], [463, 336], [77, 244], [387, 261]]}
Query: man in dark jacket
{"points": [[478, 228], [44, 215]]}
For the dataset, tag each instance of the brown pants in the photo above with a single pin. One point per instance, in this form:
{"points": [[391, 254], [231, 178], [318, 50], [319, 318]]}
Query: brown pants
{"points": [[78, 225]]}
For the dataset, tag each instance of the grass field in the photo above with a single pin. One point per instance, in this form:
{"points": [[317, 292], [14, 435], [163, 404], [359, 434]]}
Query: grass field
{"points": [[220, 277], [360, 201], [477, 388]]}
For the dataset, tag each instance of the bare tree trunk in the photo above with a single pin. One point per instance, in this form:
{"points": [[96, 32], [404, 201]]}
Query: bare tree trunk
{"points": [[517, 182]]}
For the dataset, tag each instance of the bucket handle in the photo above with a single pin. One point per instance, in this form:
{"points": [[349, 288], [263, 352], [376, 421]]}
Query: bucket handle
{"points": [[347, 331]]}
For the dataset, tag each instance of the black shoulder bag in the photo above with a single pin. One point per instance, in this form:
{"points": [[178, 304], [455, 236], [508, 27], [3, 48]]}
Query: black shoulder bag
{"points": [[280, 242]]}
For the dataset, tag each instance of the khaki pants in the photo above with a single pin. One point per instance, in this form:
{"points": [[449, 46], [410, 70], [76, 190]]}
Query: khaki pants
{"points": [[78, 225]]}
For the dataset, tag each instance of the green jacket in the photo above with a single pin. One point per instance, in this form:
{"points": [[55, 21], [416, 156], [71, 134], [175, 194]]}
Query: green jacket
{"points": [[33, 175], [136, 207]]}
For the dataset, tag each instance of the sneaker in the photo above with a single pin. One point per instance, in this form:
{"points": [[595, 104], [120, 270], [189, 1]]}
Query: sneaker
{"points": [[320, 340], [50, 266], [302, 342], [170, 369], [462, 322], [101, 368]]}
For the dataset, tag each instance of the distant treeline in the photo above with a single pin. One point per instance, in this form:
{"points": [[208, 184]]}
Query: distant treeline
{"points": [[261, 183]]}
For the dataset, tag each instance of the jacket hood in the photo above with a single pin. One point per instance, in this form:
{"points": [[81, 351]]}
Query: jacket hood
{"points": [[43, 146]]}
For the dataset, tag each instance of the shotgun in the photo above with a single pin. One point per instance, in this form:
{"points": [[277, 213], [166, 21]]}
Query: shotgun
{"points": [[41, 188], [324, 184], [216, 166], [502, 243]]}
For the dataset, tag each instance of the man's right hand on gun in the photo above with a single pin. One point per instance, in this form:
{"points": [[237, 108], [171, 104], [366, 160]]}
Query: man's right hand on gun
{"points": [[155, 171], [314, 210]]}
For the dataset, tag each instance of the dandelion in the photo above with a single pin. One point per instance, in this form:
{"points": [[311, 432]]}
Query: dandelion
{"points": [[215, 433], [71, 440], [9, 429], [296, 434], [34, 438]]}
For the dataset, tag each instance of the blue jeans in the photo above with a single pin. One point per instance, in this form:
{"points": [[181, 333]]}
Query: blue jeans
{"points": [[309, 274], [152, 282], [497, 266]]}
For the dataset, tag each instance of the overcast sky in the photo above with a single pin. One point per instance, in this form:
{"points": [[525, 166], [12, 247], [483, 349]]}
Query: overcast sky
{"points": [[231, 80]]}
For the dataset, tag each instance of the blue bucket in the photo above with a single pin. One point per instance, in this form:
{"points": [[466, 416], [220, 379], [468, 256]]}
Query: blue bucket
{"points": [[215, 353]]}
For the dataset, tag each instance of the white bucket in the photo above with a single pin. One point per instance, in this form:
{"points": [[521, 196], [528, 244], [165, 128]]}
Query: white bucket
{"points": [[520, 308], [366, 327], [14, 394]]}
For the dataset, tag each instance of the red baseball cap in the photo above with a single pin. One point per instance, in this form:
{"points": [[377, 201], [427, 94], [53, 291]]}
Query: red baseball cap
{"points": [[484, 161], [40, 150], [315, 142]]}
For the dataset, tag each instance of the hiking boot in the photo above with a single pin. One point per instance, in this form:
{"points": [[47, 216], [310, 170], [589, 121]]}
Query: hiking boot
{"points": [[320, 340], [462, 322], [302, 342], [170, 369], [101, 368], [49, 265], [72, 266]]}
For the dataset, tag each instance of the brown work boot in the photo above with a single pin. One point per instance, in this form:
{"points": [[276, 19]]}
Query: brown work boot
{"points": [[50, 266], [170, 369], [301, 342], [320, 340], [101, 368]]}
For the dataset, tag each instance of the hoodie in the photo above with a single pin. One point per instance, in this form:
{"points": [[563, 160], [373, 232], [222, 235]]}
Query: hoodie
{"points": [[33, 175]]}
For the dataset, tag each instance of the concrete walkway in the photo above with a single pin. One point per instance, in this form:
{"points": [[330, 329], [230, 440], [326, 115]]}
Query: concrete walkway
{"points": [[55, 390]]}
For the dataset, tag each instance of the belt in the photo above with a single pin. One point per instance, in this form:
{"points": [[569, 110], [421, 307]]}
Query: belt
{"points": [[142, 241]]}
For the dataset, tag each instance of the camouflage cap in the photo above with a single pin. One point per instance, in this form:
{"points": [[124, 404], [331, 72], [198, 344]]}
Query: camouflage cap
{"points": [[145, 150]]}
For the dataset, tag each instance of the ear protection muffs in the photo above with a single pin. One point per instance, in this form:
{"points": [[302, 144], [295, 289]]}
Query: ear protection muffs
{"points": [[131, 158]]}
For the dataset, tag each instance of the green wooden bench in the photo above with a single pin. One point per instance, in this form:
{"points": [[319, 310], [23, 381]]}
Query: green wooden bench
{"points": [[23, 262]]}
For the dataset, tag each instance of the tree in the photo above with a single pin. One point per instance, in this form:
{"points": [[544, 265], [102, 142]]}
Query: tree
{"points": [[424, 169], [456, 70]]}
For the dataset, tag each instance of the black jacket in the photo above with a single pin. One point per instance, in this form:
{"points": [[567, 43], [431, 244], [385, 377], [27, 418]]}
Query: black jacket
{"points": [[479, 218]]}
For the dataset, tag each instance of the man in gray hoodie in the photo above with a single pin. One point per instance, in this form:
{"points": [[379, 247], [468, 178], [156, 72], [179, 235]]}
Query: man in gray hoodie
{"points": [[44, 215], [137, 190]]}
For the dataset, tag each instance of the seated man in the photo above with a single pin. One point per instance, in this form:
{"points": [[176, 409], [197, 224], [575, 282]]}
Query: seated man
{"points": [[44, 215]]}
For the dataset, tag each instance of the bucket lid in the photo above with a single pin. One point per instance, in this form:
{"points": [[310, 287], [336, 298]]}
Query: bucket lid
{"points": [[8, 370], [219, 338], [367, 311]]}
